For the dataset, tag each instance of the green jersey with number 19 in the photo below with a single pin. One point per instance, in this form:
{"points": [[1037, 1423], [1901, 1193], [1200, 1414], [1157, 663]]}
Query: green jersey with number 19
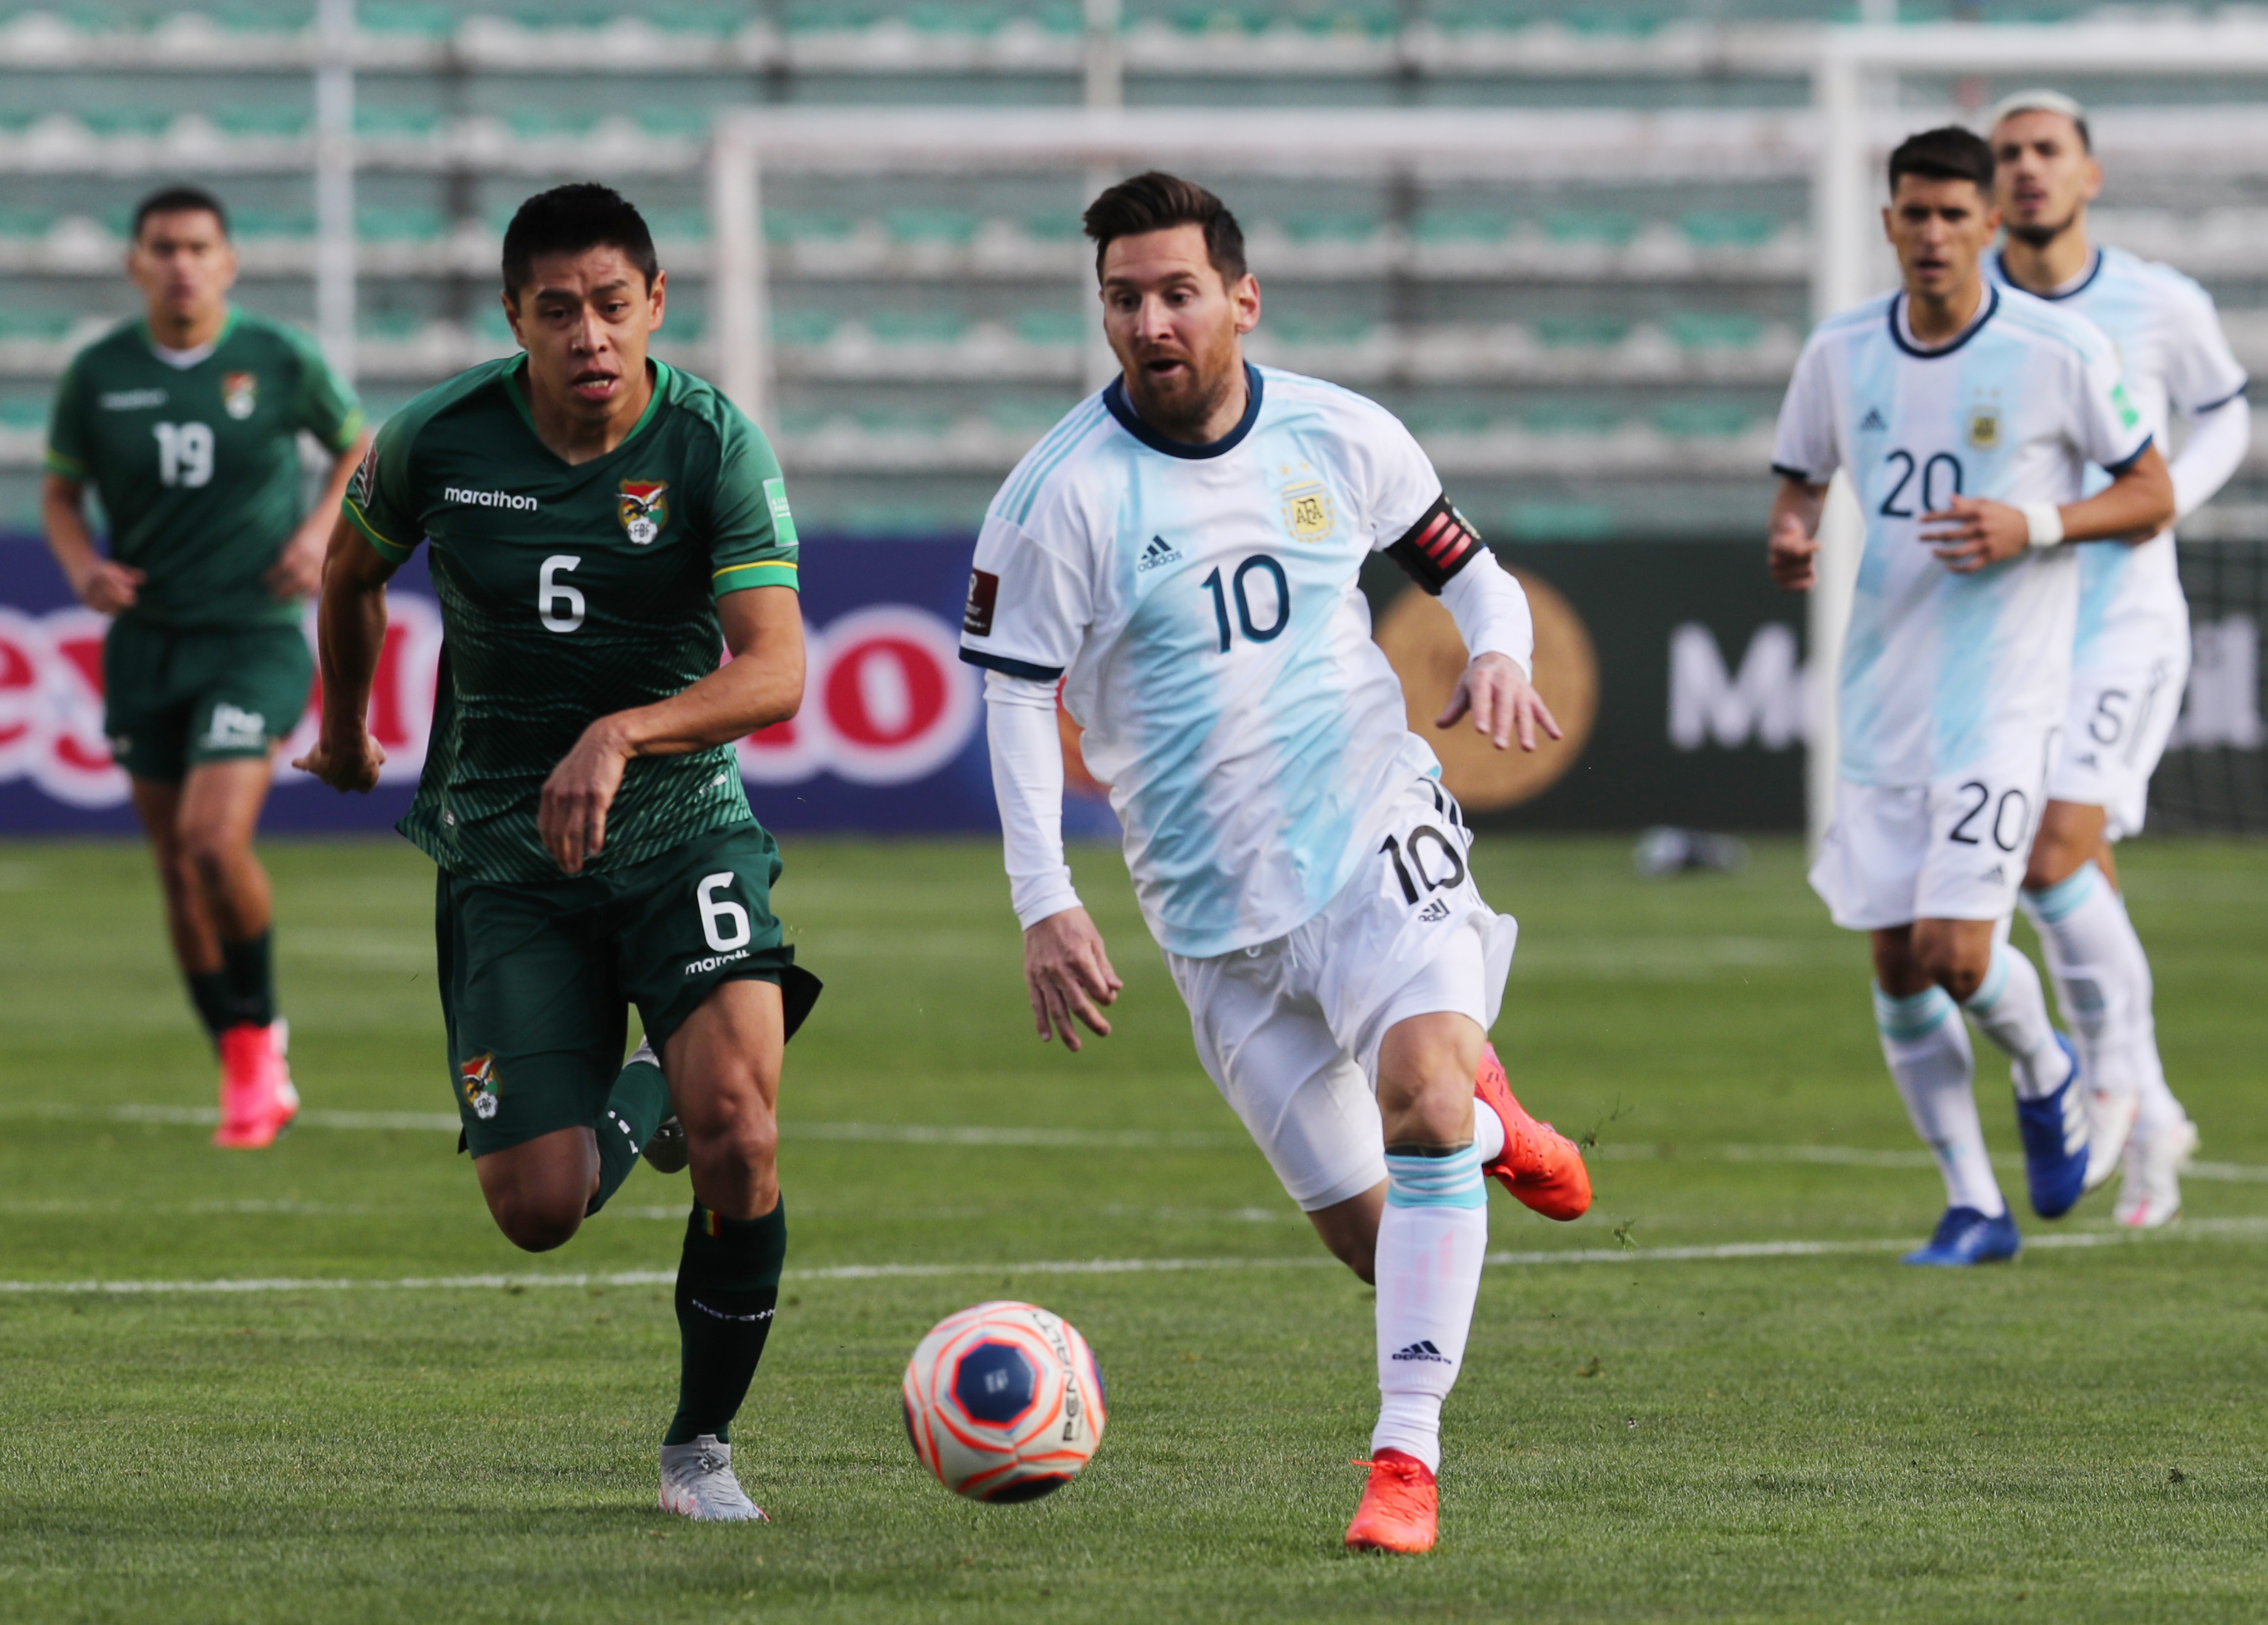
{"points": [[198, 465], [567, 592]]}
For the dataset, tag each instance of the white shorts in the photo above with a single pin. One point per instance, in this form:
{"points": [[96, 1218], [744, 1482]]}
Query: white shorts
{"points": [[2121, 714], [1290, 1030], [1954, 850]]}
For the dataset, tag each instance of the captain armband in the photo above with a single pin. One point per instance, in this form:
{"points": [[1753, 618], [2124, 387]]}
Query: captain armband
{"points": [[1440, 545]]}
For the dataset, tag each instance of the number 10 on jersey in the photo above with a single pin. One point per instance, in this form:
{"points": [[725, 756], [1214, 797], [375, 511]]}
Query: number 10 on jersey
{"points": [[1237, 587]]}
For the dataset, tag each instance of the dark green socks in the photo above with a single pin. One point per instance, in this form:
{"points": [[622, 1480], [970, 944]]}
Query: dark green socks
{"points": [[635, 1107], [727, 1286], [209, 992], [247, 967]]}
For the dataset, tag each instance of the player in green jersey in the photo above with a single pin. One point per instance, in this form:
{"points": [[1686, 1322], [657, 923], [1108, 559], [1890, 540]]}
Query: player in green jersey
{"points": [[186, 423], [597, 522]]}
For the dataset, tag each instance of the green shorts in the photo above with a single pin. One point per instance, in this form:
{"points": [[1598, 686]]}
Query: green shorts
{"points": [[174, 697], [537, 977]]}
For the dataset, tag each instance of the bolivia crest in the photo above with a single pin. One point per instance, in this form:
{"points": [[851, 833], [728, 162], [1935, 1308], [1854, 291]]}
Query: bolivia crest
{"points": [[239, 394], [476, 1080], [643, 509]]}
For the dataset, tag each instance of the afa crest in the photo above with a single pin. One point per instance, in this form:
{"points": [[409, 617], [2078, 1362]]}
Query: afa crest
{"points": [[1984, 428], [476, 1081], [1307, 511], [240, 395], [643, 509]]}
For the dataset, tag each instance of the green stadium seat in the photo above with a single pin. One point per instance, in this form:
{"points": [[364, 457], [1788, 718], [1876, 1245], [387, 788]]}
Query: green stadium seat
{"points": [[916, 326], [803, 326], [1051, 226], [1046, 327], [880, 418], [795, 225], [948, 17], [1441, 227], [36, 326], [1610, 227], [263, 16], [426, 18], [379, 119], [1446, 420], [1025, 416], [1692, 419], [1561, 332], [549, 123], [414, 223], [18, 224], [828, 16], [391, 327], [492, 325], [1713, 330], [1727, 229], [678, 226], [1572, 417], [955, 226], [262, 119], [685, 123], [126, 120], [1311, 329], [269, 223], [709, 17], [1343, 226], [23, 413]]}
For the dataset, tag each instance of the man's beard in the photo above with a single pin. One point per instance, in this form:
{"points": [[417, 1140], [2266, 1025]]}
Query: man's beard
{"points": [[2040, 235], [1183, 416]]}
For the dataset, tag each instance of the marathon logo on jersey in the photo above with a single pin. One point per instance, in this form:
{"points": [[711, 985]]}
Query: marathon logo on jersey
{"points": [[643, 509], [1159, 552], [476, 1081], [1307, 511], [240, 395], [718, 961], [513, 500], [983, 598], [1984, 428], [131, 400]]}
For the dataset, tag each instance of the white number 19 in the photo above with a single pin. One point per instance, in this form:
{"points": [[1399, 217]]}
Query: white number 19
{"points": [[185, 453]]}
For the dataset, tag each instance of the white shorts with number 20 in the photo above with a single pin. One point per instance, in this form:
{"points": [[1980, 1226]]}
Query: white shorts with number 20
{"points": [[1290, 1030], [1951, 850]]}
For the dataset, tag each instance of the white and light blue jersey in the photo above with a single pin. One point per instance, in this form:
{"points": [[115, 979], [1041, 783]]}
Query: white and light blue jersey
{"points": [[1200, 604], [1943, 673], [2174, 357]]}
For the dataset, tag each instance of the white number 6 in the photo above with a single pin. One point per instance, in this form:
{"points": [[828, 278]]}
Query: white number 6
{"points": [[718, 917], [550, 590]]}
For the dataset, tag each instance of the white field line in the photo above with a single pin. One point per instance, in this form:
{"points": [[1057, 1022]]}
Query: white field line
{"points": [[2231, 1230], [917, 1134]]}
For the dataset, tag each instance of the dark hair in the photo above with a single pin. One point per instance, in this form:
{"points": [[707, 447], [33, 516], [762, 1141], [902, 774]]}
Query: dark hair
{"points": [[1949, 152], [1154, 201], [180, 201], [569, 219]]}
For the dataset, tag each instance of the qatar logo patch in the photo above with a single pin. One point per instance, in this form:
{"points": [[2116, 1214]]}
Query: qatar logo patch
{"points": [[643, 509], [240, 395]]}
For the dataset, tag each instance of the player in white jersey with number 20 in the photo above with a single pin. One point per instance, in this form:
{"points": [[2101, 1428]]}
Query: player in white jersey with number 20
{"points": [[2132, 658], [1964, 415], [1181, 553]]}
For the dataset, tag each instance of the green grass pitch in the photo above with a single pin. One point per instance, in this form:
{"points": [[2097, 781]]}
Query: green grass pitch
{"points": [[1644, 1431]]}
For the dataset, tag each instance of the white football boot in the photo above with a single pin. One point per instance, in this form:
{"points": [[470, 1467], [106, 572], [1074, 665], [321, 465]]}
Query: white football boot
{"points": [[697, 1482], [2110, 1124], [666, 1150], [2151, 1193]]}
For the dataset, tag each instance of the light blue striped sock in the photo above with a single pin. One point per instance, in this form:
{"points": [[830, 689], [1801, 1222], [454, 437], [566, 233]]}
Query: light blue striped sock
{"points": [[1450, 1181]]}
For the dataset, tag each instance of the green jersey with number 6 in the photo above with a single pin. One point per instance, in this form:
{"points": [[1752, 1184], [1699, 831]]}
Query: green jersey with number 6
{"points": [[198, 465], [569, 591]]}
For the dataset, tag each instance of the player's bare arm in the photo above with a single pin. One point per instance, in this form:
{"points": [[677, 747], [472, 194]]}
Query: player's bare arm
{"points": [[103, 585], [761, 685], [350, 632], [1503, 704], [1792, 549], [1973, 532], [298, 571], [1068, 974]]}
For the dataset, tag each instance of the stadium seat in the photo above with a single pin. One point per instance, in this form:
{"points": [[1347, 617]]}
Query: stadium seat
{"points": [[18, 223], [1727, 229], [382, 118], [1689, 420], [423, 17], [1572, 417], [258, 222], [1440, 227], [1609, 227], [1560, 332], [1713, 330], [918, 327], [1052, 327], [955, 226], [1342, 226], [803, 326], [784, 225]]}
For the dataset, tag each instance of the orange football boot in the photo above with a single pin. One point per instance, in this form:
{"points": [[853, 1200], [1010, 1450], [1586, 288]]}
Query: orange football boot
{"points": [[1540, 1166], [257, 1100], [1400, 1506]]}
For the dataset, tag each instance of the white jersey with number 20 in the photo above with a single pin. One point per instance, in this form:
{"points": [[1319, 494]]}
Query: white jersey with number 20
{"points": [[1944, 674], [1201, 605]]}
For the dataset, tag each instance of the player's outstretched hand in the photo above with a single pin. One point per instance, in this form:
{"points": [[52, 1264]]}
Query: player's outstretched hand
{"points": [[1794, 554], [108, 586], [345, 766], [572, 819], [1503, 703], [1976, 532], [1068, 975], [298, 571]]}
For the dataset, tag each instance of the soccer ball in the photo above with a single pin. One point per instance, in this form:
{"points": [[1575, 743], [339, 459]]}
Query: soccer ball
{"points": [[1004, 1402]]}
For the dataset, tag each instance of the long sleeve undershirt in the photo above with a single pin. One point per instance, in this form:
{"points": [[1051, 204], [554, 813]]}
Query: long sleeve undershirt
{"points": [[2217, 442], [1484, 599]]}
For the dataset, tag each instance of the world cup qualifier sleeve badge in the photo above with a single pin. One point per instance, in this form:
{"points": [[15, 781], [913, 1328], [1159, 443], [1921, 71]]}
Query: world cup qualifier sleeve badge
{"points": [[643, 509]]}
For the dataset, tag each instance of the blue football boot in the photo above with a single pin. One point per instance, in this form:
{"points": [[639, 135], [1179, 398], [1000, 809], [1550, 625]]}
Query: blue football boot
{"points": [[1964, 1237], [2054, 1131]]}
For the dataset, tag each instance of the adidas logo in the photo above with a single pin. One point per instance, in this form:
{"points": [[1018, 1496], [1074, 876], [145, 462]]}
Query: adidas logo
{"points": [[2088, 760], [1873, 420], [1159, 552], [1435, 910], [1996, 875], [1424, 1350]]}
